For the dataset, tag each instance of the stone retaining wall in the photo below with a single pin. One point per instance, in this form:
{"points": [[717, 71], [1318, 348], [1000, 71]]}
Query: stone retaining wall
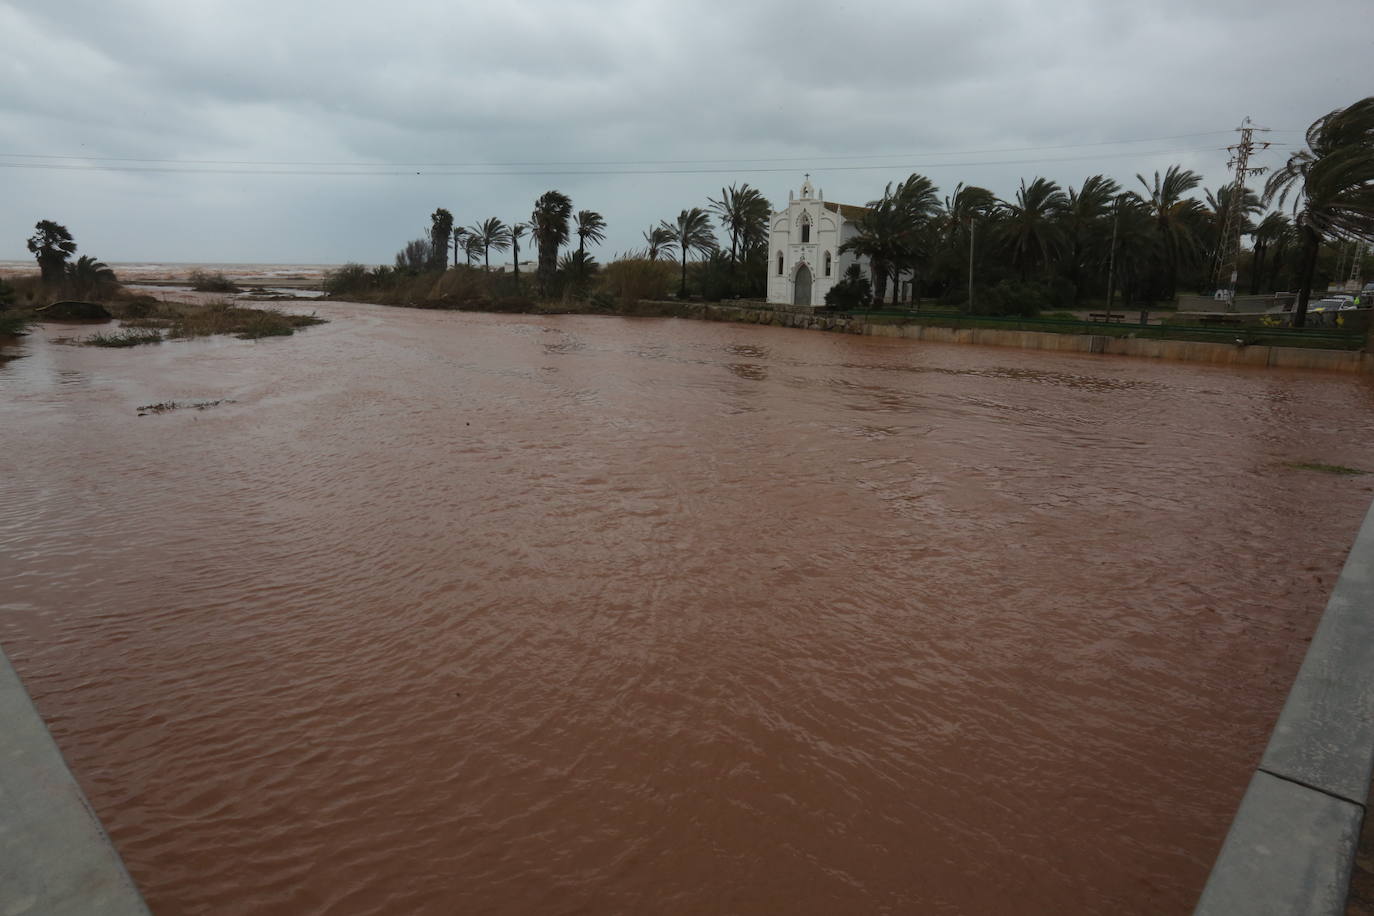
{"points": [[1181, 350]]}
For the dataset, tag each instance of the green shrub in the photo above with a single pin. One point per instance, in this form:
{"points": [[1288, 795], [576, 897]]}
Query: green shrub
{"points": [[126, 338], [853, 291], [1012, 297], [350, 278], [631, 279], [205, 282]]}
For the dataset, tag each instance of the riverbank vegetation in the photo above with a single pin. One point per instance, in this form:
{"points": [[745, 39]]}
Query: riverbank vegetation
{"points": [[88, 289], [1049, 246], [182, 320]]}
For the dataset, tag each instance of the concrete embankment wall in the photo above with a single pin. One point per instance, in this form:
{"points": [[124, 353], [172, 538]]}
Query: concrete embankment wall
{"points": [[55, 859], [1292, 844], [1223, 354]]}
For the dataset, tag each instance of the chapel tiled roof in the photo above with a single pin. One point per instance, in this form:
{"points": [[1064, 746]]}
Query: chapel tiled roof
{"points": [[848, 211]]}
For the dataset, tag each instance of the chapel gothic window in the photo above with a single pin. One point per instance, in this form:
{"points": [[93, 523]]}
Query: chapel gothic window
{"points": [[779, 263], [827, 263], [805, 228]]}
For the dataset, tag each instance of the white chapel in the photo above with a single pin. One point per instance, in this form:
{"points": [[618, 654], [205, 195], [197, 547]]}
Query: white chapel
{"points": [[804, 260]]}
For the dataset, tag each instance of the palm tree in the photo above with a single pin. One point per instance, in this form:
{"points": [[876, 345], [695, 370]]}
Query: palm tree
{"points": [[1085, 221], [491, 233], [89, 276], [962, 208], [1175, 219], [658, 238], [918, 205], [517, 231], [590, 225], [753, 213], [52, 245], [1031, 227], [1332, 182], [879, 239], [440, 231], [1271, 231], [692, 233], [472, 247], [459, 239], [549, 227]]}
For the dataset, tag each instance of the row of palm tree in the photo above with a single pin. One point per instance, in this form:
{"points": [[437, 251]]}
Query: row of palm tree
{"points": [[1141, 240], [549, 226], [1095, 239]]}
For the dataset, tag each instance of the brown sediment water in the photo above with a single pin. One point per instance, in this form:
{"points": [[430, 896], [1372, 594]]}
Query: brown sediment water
{"points": [[459, 613]]}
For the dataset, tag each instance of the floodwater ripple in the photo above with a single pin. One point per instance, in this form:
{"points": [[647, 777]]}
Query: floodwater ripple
{"points": [[444, 613]]}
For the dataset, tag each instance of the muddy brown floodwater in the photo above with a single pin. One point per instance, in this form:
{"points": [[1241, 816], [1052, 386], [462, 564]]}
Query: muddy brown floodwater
{"points": [[457, 613]]}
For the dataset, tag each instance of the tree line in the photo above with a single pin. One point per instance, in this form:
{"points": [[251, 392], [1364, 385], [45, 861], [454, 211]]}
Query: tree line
{"points": [[1145, 242]]}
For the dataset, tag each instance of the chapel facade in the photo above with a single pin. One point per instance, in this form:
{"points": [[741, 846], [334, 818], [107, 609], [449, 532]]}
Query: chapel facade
{"points": [[804, 260]]}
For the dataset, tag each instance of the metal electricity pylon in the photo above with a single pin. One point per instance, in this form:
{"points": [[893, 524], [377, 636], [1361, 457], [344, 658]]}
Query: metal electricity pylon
{"points": [[1228, 246]]}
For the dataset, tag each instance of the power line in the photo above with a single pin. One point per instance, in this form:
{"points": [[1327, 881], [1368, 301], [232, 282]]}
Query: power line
{"points": [[446, 172], [622, 162]]}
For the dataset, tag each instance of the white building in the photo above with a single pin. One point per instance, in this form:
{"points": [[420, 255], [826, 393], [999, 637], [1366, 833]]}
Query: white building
{"points": [[804, 259]]}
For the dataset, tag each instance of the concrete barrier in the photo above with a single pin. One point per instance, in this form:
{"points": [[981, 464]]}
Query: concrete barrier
{"points": [[1292, 844], [55, 859]]}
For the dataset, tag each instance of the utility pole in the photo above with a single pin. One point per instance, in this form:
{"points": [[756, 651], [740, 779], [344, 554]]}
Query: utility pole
{"points": [[1228, 246], [1111, 259], [971, 224]]}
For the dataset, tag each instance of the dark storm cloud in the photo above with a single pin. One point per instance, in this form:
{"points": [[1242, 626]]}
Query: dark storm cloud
{"points": [[567, 82]]}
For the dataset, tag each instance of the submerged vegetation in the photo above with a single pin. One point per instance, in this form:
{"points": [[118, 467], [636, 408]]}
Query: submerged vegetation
{"points": [[185, 320], [89, 289], [1338, 469], [129, 338], [203, 281]]}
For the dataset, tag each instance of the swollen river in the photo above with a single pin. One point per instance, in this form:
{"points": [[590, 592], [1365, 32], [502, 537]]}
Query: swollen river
{"points": [[443, 613]]}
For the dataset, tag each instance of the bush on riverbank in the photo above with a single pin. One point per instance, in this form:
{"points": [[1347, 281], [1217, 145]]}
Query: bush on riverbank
{"points": [[628, 280], [131, 338], [185, 320], [203, 281]]}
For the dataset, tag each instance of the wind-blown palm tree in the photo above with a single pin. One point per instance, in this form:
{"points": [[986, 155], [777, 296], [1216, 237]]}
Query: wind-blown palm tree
{"points": [[89, 276], [1332, 183], [459, 239], [692, 233], [727, 210], [590, 225], [517, 232], [753, 213], [880, 240], [968, 204], [1269, 233], [1176, 218], [440, 231], [472, 247], [1087, 221], [1030, 227], [658, 239], [52, 245], [918, 206], [491, 233], [549, 227]]}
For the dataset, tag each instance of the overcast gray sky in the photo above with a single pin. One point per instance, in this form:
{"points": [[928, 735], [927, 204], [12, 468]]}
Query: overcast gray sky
{"points": [[158, 130]]}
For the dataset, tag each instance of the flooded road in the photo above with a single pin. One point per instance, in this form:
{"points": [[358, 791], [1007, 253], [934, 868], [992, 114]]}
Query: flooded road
{"points": [[457, 613]]}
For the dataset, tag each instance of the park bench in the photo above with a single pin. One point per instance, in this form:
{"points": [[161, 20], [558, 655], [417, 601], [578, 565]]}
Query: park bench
{"points": [[1106, 317]]}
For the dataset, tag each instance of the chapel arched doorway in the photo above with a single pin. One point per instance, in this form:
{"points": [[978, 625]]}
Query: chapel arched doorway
{"points": [[801, 286]]}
